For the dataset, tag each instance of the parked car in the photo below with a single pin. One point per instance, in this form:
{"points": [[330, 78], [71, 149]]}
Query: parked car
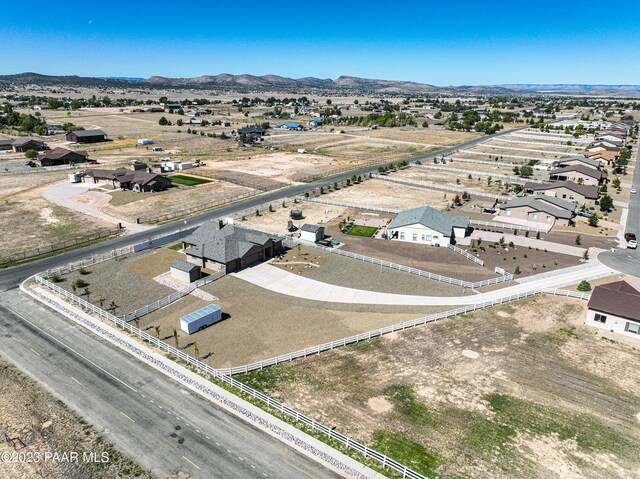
{"points": [[629, 236], [633, 244], [633, 191], [585, 213]]}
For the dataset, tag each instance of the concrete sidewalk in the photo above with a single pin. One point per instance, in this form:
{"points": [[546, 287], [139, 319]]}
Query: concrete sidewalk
{"points": [[281, 281]]}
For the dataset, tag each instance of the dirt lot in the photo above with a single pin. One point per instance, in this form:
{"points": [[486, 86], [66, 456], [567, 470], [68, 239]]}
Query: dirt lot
{"points": [[127, 207], [523, 390], [126, 281], [432, 136], [384, 194], [282, 166], [29, 221], [341, 271], [261, 324], [45, 424], [446, 178], [277, 221]]}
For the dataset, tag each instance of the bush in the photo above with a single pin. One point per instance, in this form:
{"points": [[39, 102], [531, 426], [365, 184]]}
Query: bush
{"points": [[517, 270], [55, 278], [80, 283], [584, 286]]}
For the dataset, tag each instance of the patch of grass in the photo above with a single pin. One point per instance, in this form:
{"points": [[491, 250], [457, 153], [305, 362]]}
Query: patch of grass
{"points": [[176, 247], [483, 434], [404, 398], [365, 231], [366, 346], [269, 379], [399, 447], [188, 180], [589, 433], [562, 334]]}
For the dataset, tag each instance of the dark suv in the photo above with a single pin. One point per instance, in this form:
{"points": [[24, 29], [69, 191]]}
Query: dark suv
{"points": [[629, 236]]}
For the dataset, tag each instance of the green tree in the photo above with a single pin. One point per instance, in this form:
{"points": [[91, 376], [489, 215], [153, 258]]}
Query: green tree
{"points": [[606, 203], [593, 220], [31, 154], [163, 121], [584, 286]]}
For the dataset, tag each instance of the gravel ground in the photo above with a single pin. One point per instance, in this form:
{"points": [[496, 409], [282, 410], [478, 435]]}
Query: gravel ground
{"points": [[45, 424], [262, 324], [352, 273], [126, 281]]}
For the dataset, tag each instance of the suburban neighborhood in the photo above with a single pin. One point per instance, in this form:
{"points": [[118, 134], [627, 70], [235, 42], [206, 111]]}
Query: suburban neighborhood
{"points": [[319, 275]]}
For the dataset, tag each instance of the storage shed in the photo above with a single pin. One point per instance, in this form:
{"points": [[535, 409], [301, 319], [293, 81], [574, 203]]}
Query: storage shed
{"points": [[313, 233], [184, 271], [200, 319]]}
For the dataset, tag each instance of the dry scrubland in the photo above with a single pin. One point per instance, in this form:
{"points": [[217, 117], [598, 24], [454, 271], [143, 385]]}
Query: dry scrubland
{"points": [[522, 390], [44, 424], [30, 221]]}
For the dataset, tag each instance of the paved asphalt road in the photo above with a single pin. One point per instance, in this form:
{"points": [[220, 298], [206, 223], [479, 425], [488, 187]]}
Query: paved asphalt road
{"points": [[115, 393], [163, 427], [628, 260]]}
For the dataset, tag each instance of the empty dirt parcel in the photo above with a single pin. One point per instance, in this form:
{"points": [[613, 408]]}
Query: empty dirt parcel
{"points": [[484, 395]]}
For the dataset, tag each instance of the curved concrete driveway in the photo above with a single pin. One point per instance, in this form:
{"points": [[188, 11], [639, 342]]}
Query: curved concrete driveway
{"points": [[281, 281], [64, 194]]}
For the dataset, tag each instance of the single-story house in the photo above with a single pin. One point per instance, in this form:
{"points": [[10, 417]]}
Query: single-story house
{"points": [[315, 123], [289, 126], [581, 174], [615, 137], [540, 209], [214, 244], [579, 160], [62, 156], [608, 156], [184, 271], [254, 133], [54, 129], [171, 106], [602, 146], [136, 180], [25, 144], [615, 307], [87, 136], [566, 190], [6, 145], [427, 225], [313, 233], [197, 113]]}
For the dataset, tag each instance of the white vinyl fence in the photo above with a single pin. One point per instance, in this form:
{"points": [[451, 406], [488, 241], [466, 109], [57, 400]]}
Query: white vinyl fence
{"points": [[518, 179], [348, 205], [367, 452], [303, 353], [432, 186], [510, 226], [292, 242], [462, 252], [161, 303]]}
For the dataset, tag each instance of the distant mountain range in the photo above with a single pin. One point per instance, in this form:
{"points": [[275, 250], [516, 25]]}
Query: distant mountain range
{"points": [[248, 83]]}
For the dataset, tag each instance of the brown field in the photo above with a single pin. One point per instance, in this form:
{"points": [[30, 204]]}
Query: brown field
{"points": [[385, 194], [433, 136], [260, 324], [30, 221], [522, 390], [446, 178]]}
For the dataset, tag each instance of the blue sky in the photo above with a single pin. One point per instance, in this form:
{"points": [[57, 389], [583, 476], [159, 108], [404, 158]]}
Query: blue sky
{"points": [[443, 43]]}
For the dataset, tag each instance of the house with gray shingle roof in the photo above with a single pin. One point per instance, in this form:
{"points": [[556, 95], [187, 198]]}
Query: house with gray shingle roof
{"points": [[427, 225], [215, 244], [567, 190], [548, 210]]}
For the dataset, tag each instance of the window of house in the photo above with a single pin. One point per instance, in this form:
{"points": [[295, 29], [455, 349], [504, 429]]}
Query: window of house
{"points": [[600, 318], [402, 235], [534, 216], [564, 196], [632, 328], [429, 237], [548, 219], [422, 237], [415, 237]]}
